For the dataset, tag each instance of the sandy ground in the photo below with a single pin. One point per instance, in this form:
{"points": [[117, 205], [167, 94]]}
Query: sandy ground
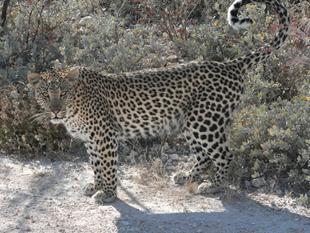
{"points": [[45, 196]]}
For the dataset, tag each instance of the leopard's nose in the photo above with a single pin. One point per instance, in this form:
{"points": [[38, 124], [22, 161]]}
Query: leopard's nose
{"points": [[55, 109], [56, 112]]}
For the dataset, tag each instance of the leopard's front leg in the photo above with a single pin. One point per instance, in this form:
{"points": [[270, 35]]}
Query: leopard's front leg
{"points": [[103, 159]]}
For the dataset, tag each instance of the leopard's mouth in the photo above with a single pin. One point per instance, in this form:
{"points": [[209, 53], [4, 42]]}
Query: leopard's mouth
{"points": [[56, 118]]}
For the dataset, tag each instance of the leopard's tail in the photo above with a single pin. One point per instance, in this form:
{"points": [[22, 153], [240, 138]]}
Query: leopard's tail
{"points": [[255, 57]]}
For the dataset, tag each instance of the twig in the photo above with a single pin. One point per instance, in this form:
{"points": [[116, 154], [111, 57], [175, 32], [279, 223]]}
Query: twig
{"points": [[4, 12]]}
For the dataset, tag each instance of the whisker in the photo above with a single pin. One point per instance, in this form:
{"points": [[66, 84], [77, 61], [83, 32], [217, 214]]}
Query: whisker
{"points": [[39, 117], [36, 115]]}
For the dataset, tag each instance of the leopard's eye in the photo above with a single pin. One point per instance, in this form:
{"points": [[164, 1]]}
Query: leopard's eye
{"points": [[62, 94], [45, 94]]}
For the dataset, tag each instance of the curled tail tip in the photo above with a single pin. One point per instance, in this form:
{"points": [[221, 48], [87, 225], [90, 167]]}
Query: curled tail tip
{"points": [[236, 23], [233, 19]]}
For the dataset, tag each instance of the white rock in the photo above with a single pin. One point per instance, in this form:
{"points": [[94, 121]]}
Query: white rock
{"points": [[174, 156], [85, 20]]}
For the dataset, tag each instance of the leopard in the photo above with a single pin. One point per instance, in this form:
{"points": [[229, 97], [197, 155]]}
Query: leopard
{"points": [[196, 98]]}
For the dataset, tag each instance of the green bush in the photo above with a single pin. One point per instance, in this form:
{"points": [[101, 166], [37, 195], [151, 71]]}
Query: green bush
{"points": [[272, 142]]}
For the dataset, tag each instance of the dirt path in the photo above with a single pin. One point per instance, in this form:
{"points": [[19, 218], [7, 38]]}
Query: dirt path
{"points": [[45, 197]]}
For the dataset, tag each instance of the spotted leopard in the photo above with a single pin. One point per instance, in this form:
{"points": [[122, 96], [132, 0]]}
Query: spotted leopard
{"points": [[197, 98]]}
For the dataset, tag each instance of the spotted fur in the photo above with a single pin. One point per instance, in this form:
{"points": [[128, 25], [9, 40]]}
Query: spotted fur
{"points": [[196, 98]]}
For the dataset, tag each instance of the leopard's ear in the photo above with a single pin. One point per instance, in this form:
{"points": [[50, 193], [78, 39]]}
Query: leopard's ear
{"points": [[34, 79], [73, 74]]}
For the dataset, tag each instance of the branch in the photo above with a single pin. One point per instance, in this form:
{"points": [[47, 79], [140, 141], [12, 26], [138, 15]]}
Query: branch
{"points": [[4, 12]]}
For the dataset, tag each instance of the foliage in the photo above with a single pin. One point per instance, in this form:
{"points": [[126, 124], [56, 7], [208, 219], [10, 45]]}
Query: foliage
{"points": [[272, 142]]}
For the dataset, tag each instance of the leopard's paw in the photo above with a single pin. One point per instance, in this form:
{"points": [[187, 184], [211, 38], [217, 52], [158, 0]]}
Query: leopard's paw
{"points": [[208, 188], [89, 190], [104, 196]]}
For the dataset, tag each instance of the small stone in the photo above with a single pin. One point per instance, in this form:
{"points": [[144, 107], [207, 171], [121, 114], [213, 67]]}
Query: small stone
{"points": [[169, 162], [174, 157], [165, 146], [259, 182], [14, 94], [172, 58]]}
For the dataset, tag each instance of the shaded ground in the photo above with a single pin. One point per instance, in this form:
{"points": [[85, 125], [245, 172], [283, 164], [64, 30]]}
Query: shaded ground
{"points": [[46, 196]]}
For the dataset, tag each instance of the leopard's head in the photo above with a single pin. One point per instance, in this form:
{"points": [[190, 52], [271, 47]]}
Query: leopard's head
{"points": [[54, 92]]}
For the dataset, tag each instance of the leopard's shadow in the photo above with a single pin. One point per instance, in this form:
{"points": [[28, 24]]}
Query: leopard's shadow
{"points": [[241, 216]]}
